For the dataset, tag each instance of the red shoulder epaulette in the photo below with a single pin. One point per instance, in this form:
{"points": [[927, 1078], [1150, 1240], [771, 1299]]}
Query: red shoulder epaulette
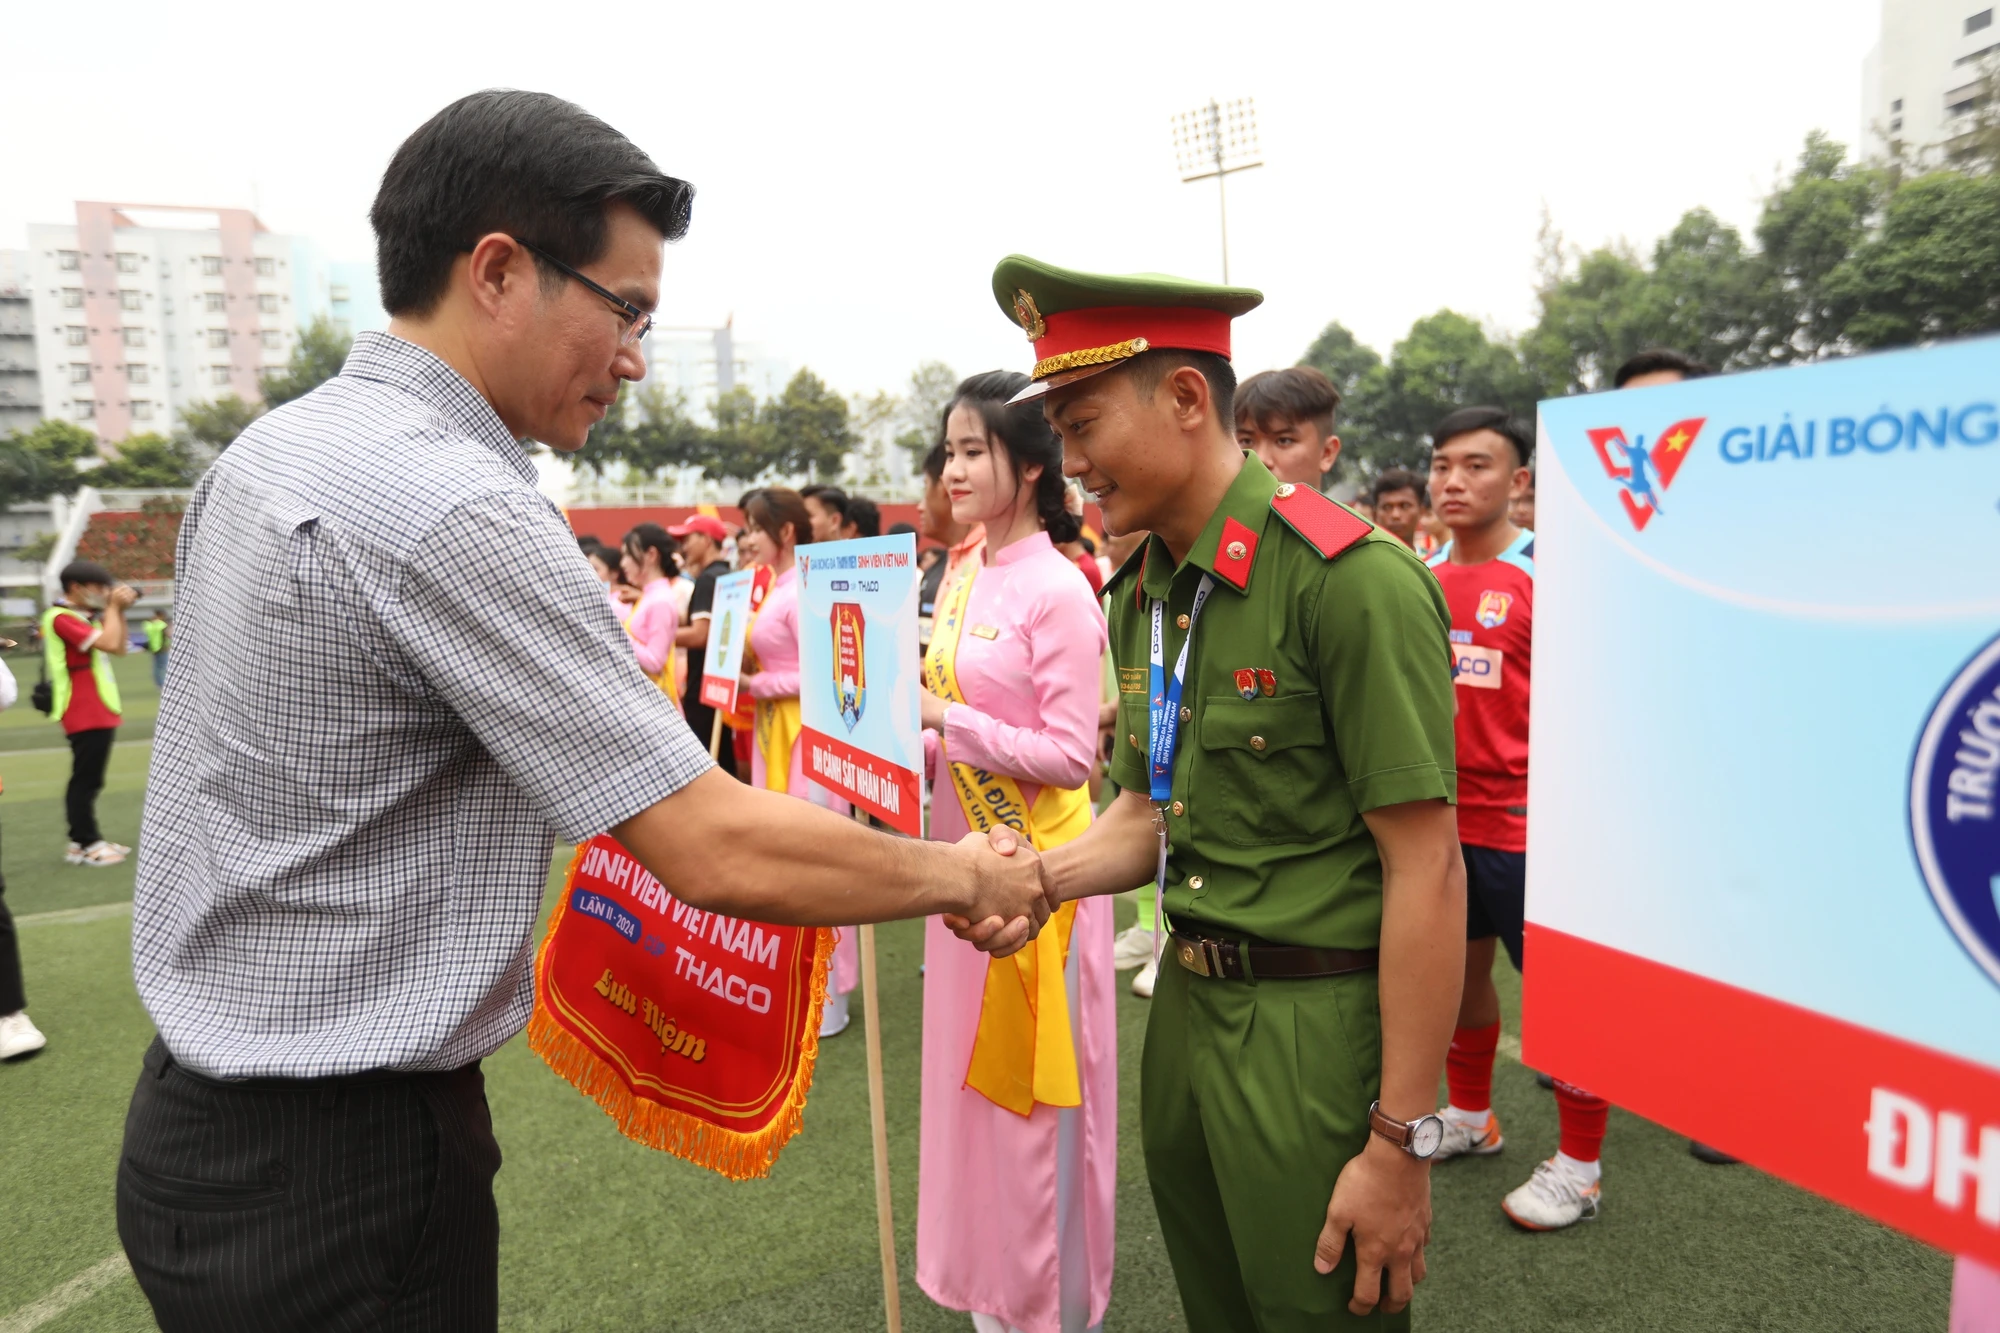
{"points": [[1326, 524]]}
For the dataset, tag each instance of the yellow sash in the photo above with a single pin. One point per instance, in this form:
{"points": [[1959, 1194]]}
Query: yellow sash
{"points": [[778, 726], [1025, 1049]]}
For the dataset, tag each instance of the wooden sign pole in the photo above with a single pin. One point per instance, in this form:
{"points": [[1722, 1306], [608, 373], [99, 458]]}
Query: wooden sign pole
{"points": [[871, 1011], [715, 739]]}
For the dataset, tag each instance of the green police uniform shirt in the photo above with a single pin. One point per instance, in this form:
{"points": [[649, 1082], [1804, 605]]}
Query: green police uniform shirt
{"points": [[1318, 688]]}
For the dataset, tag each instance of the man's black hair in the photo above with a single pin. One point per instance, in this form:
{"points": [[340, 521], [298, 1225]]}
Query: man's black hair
{"points": [[934, 462], [540, 169], [865, 515], [1496, 419], [898, 529], [1654, 359], [1399, 479], [1149, 368], [830, 497], [85, 571], [1297, 395]]}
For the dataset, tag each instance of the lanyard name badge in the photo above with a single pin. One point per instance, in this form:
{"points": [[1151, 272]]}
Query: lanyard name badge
{"points": [[1165, 734]]}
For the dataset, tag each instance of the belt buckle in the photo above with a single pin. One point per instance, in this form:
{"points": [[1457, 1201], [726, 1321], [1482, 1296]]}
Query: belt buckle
{"points": [[1194, 956], [1213, 950]]}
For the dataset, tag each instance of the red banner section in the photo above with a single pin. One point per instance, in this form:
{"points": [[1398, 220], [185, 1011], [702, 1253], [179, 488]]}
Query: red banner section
{"points": [[871, 782], [1905, 1134], [696, 1032]]}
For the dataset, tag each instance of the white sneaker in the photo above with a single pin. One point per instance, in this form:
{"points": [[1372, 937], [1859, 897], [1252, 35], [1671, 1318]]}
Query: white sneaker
{"points": [[1142, 984], [1463, 1140], [19, 1035], [1554, 1198], [99, 853], [1133, 948], [833, 1018]]}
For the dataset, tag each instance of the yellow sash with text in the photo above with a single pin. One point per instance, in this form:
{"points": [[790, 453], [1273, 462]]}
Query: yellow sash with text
{"points": [[1025, 1048]]}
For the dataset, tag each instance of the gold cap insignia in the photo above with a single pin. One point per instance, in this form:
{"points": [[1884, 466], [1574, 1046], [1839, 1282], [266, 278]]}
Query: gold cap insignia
{"points": [[1029, 317]]}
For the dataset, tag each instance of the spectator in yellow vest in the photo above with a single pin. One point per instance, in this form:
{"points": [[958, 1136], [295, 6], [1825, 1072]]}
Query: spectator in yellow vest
{"points": [[84, 695]]}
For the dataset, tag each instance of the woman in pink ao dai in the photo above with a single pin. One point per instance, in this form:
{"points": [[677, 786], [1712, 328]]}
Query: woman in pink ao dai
{"points": [[1014, 1212]]}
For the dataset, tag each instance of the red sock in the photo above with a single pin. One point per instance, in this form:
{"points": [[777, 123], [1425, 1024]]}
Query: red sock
{"points": [[1468, 1067], [1582, 1118]]}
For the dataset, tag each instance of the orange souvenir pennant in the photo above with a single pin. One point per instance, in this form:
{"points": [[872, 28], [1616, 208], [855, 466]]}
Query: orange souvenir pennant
{"points": [[696, 1032]]}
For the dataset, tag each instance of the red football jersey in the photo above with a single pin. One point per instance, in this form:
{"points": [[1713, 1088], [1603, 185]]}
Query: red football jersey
{"points": [[1492, 642]]}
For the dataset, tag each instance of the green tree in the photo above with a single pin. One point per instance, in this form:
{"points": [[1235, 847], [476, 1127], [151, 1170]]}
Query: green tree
{"points": [[1446, 362], [318, 356], [215, 425], [38, 463], [1932, 270], [148, 462], [1809, 227], [809, 428], [920, 414], [741, 445], [1337, 354]]}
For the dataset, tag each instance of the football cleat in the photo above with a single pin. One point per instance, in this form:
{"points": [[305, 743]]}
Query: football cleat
{"points": [[1554, 1198], [1463, 1140]]}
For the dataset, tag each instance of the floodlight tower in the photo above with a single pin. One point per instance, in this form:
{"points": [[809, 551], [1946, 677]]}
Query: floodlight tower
{"points": [[1216, 140]]}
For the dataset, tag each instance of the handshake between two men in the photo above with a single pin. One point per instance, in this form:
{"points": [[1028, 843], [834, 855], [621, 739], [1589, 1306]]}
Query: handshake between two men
{"points": [[763, 856]]}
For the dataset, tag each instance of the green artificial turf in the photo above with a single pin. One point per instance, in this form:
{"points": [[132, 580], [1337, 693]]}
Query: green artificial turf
{"points": [[22, 728], [599, 1233]]}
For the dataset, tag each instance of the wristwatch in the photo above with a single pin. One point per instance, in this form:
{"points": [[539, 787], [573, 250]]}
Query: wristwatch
{"points": [[1419, 1138]]}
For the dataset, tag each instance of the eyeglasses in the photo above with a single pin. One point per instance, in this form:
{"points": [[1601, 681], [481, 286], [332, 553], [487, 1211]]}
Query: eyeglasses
{"points": [[637, 322]]}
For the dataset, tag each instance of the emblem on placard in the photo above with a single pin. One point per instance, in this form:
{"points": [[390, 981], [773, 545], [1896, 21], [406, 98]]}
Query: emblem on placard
{"points": [[721, 664], [1492, 611], [1030, 318], [1955, 807], [850, 661], [1644, 472]]}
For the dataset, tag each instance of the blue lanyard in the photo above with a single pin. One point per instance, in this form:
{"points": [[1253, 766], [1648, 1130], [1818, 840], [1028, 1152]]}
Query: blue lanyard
{"points": [[1166, 718]]}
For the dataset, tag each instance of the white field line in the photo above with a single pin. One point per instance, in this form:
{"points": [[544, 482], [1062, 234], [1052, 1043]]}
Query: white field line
{"points": [[74, 916], [66, 1297]]}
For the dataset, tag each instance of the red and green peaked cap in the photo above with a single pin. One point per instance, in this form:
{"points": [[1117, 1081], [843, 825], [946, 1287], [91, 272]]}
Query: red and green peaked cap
{"points": [[1084, 323]]}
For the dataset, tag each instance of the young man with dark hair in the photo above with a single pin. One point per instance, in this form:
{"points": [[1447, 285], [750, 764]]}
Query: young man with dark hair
{"points": [[80, 635], [1285, 417], [1399, 499], [864, 518], [827, 507], [1659, 365], [356, 782], [1283, 746], [1479, 466]]}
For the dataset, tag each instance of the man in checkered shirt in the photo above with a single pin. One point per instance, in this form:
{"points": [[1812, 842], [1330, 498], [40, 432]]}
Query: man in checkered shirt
{"points": [[395, 682]]}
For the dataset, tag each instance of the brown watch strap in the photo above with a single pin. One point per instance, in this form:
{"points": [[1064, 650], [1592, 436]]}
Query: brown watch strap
{"points": [[1388, 1127]]}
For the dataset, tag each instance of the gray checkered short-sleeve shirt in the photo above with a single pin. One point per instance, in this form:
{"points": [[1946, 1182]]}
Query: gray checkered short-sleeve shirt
{"points": [[395, 681]]}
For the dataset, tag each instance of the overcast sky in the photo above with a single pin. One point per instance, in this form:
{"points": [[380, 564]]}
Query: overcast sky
{"points": [[860, 167]]}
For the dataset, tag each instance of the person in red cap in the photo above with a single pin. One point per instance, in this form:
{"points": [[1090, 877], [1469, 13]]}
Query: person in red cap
{"points": [[702, 560], [1285, 756]]}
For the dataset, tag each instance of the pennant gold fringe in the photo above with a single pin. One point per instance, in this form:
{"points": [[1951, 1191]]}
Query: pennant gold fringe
{"points": [[723, 1151]]}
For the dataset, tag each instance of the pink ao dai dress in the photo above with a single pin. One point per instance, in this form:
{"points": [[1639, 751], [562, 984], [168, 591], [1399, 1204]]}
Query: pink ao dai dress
{"points": [[1014, 1214]]}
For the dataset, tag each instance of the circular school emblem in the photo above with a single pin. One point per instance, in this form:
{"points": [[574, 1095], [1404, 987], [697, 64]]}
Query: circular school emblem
{"points": [[1955, 809]]}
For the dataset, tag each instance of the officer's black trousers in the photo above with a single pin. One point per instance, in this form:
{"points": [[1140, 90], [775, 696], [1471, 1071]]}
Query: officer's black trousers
{"points": [[327, 1204]]}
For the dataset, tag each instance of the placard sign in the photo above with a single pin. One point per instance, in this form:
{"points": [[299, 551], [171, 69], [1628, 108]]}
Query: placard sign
{"points": [[738, 598], [1764, 830], [859, 674]]}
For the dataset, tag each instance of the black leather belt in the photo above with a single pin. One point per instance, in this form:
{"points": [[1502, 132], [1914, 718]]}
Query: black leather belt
{"points": [[1234, 960]]}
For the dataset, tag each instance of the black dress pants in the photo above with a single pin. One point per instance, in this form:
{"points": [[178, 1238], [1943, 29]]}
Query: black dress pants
{"points": [[316, 1204], [89, 751], [12, 998]]}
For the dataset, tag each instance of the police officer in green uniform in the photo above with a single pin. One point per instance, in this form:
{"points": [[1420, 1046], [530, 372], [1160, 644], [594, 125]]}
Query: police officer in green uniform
{"points": [[1284, 746]]}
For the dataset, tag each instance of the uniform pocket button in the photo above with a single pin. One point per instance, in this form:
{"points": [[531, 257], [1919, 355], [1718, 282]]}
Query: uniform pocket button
{"points": [[1186, 712], [1256, 742], [1179, 809], [1194, 881]]}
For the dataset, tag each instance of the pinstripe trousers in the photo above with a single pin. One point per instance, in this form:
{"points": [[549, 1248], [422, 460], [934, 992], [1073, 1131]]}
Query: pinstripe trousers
{"points": [[326, 1204]]}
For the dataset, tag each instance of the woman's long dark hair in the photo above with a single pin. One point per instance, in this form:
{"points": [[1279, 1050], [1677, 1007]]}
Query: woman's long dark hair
{"points": [[651, 536], [1024, 433]]}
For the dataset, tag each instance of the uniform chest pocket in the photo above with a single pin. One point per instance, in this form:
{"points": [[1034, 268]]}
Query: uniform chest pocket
{"points": [[1267, 774]]}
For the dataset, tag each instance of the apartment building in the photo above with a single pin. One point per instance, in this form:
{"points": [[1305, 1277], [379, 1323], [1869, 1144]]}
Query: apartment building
{"points": [[20, 371], [1922, 84]]}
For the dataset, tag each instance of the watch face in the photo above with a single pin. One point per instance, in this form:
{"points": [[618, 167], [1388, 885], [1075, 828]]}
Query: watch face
{"points": [[1425, 1136]]}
